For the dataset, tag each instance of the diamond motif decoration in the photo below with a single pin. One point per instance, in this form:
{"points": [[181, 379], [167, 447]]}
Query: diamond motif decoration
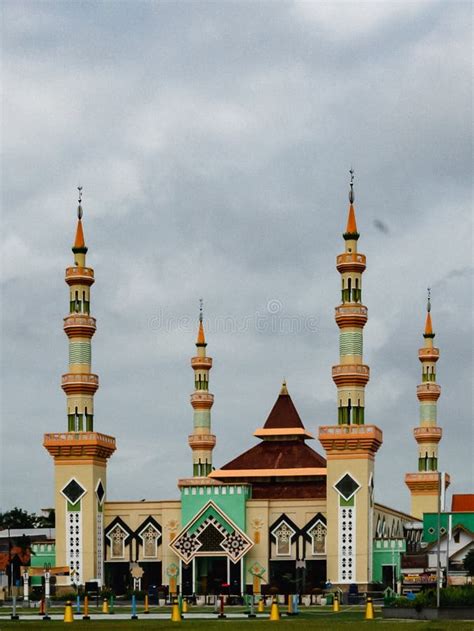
{"points": [[100, 492], [235, 545], [212, 537], [73, 491], [347, 486], [186, 546]]}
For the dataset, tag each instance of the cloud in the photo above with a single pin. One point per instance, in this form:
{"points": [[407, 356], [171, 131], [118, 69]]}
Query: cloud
{"points": [[214, 145]]}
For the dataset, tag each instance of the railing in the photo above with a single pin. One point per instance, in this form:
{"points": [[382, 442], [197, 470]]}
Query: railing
{"points": [[351, 258], [201, 361], [351, 309], [84, 320], [428, 387], [349, 429], [428, 351], [199, 438], [433, 431], [90, 436], [79, 271], [79, 378], [343, 369]]}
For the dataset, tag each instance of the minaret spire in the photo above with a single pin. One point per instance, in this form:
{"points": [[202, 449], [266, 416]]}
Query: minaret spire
{"points": [[201, 441], [350, 445], [80, 453], [79, 248], [351, 235], [424, 485]]}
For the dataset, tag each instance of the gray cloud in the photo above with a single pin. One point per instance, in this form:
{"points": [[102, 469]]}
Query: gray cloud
{"points": [[213, 143]]}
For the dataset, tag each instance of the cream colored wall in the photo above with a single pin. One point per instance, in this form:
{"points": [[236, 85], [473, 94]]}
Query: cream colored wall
{"points": [[423, 504], [167, 513], [266, 512], [360, 469], [88, 476]]}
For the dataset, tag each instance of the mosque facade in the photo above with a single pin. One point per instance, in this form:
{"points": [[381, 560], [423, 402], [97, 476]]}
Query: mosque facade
{"points": [[282, 514]]}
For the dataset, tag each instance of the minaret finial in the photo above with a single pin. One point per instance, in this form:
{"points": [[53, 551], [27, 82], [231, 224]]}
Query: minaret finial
{"points": [[201, 302], [428, 306], [79, 208], [351, 183]]}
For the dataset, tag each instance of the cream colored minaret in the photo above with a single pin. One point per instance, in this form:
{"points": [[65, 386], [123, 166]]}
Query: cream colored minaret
{"points": [[425, 485], [80, 454], [201, 441], [350, 445]]}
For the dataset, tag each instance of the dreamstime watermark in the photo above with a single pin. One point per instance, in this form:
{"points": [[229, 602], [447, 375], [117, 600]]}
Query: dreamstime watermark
{"points": [[272, 320]]}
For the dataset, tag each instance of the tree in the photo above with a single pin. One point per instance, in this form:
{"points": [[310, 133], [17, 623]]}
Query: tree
{"points": [[468, 562], [17, 518]]}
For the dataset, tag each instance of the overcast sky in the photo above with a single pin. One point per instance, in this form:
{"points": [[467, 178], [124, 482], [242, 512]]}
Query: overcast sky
{"points": [[213, 141]]}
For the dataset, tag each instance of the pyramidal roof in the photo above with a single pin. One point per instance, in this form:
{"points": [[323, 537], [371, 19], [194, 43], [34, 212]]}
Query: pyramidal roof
{"points": [[283, 413]]}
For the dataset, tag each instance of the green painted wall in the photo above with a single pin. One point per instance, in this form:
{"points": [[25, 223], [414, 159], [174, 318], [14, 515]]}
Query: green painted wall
{"points": [[430, 524], [230, 498], [42, 553], [382, 555]]}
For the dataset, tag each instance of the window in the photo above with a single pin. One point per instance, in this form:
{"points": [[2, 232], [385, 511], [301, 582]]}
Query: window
{"points": [[150, 537], [283, 535], [117, 540], [318, 537]]}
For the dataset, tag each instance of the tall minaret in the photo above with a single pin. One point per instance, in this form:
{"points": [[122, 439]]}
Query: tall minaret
{"points": [[201, 441], [425, 485], [350, 445], [80, 454]]}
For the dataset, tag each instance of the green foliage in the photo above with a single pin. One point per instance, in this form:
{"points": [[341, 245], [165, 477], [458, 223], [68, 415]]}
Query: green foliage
{"points": [[468, 562], [462, 596], [19, 518]]}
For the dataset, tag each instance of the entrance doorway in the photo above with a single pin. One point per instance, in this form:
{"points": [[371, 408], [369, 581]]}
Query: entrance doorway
{"points": [[211, 574], [389, 576]]}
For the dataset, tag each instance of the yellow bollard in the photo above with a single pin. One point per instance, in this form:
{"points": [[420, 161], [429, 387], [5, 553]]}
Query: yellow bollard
{"points": [[335, 604], [185, 605], [68, 615], [175, 615], [261, 606], [275, 610], [290, 605], [86, 608], [147, 606], [369, 609], [105, 606]]}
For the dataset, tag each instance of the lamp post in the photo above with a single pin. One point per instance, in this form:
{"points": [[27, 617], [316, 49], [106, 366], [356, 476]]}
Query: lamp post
{"points": [[26, 577], [47, 576]]}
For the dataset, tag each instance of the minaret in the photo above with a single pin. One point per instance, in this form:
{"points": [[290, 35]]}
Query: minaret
{"points": [[350, 445], [80, 454], [201, 441], [424, 486]]}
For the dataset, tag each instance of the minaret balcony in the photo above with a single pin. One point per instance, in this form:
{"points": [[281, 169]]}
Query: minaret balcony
{"points": [[202, 400], [203, 363], [350, 262], [202, 441], [428, 354], [79, 444], [79, 275], [428, 391], [350, 374], [78, 325], [346, 441], [73, 383], [351, 315], [428, 434], [426, 482]]}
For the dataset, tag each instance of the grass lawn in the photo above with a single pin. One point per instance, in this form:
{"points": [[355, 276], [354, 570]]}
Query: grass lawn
{"points": [[343, 621]]}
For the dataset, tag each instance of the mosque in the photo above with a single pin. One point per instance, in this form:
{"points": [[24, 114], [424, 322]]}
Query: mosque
{"points": [[279, 515]]}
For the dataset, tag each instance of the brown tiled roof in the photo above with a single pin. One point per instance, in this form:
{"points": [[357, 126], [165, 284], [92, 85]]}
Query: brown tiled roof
{"points": [[462, 503], [283, 414], [278, 454]]}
